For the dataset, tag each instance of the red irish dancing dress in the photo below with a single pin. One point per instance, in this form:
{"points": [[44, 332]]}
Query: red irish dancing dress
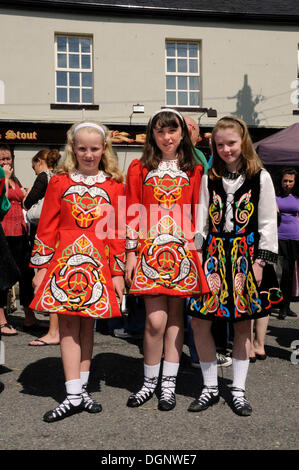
{"points": [[81, 243], [161, 206]]}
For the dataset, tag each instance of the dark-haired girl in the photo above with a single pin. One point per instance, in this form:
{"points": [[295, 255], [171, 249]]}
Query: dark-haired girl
{"points": [[162, 264]]}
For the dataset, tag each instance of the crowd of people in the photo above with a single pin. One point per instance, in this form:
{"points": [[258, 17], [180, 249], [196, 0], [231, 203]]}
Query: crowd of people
{"points": [[196, 245]]}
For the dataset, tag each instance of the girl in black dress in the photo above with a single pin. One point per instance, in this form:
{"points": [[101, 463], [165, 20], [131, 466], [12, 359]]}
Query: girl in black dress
{"points": [[237, 238]]}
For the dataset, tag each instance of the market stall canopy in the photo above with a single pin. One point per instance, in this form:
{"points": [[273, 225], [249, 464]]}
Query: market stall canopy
{"points": [[281, 148]]}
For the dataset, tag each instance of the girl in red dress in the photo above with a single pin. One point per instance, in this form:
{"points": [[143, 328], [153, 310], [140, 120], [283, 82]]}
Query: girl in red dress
{"points": [[162, 265], [79, 255]]}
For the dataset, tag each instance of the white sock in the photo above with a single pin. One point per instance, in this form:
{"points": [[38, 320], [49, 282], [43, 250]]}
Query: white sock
{"points": [[169, 374], [170, 368], [209, 373], [151, 374], [74, 390], [240, 369], [151, 371], [84, 376]]}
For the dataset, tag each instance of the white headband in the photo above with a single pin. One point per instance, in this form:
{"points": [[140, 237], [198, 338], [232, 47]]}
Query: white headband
{"points": [[168, 110], [89, 124]]}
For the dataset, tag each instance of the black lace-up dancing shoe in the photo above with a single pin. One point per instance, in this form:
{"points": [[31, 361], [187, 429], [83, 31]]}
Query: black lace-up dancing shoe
{"points": [[65, 409], [208, 397], [144, 394], [89, 404], [240, 404], [167, 399]]}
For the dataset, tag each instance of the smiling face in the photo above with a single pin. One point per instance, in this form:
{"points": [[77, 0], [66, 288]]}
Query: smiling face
{"points": [[89, 147], [228, 144], [167, 140], [288, 183]]}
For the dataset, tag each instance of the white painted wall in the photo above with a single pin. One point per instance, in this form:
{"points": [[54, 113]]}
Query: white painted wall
{"points": [[245, 68]]}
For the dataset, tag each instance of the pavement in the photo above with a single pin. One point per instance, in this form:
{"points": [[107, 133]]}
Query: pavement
{"points": [[34, 383]]}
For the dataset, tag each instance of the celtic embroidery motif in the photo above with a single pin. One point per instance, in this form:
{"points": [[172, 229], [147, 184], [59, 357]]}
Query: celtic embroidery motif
{"points": [[87, 203], [167, 182]]}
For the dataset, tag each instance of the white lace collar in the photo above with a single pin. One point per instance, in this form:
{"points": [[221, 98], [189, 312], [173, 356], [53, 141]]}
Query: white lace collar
{"points": [[168, 164], [89, 180], [167, 167]]}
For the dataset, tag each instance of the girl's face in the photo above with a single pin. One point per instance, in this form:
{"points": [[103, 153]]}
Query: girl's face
{"points": [[5, 158], [228, 143], [167, 140], [287, 183], [89, 148]]}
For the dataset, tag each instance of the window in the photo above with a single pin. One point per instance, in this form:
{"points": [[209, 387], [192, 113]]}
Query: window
{"points": [[74, 74], [182, 74], [295, 86]]}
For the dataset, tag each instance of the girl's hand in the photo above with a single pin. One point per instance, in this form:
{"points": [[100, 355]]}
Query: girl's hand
{"points": [[130, 267], [119, 286], [37, 280], [8, 171], [26, 194], [258, 273]]}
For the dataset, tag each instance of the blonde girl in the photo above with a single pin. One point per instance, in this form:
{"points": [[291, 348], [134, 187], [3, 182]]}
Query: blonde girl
{"points": [[79, 255]]}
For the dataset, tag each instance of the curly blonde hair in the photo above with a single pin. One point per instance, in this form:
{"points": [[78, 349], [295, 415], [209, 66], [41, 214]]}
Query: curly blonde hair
{"points": [[250, 159], [68, 163]]}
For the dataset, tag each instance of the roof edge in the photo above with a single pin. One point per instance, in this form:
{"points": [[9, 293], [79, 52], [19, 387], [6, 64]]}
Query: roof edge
{"points": [[130, 10]]}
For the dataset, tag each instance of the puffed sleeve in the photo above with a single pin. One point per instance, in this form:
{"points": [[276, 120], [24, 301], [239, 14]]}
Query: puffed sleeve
{"points": [[117, 232], [267, 220], [47, 231], [134, 203], [202, 213]]}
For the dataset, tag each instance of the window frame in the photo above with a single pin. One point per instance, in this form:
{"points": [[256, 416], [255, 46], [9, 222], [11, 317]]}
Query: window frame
{"points": [[77, 70], [295, 93], [179, 75]]}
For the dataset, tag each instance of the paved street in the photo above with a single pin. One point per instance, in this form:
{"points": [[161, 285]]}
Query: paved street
{"points": [[34, 383]]}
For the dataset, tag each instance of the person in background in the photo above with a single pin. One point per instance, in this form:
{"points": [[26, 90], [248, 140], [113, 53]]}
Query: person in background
{"points": [[43, 164], [193, 129], [9, 272], [16, 232], [287, 198]]}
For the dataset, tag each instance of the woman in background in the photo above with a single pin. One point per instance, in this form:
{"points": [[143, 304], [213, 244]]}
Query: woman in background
{"points": [[288, 235], [44, 164], [16, 233]]}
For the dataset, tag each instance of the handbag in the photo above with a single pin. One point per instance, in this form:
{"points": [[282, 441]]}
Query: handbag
{"points": [[33, 214]]}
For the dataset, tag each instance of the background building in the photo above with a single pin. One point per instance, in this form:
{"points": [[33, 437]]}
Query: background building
{"points": [[62, 61]]}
